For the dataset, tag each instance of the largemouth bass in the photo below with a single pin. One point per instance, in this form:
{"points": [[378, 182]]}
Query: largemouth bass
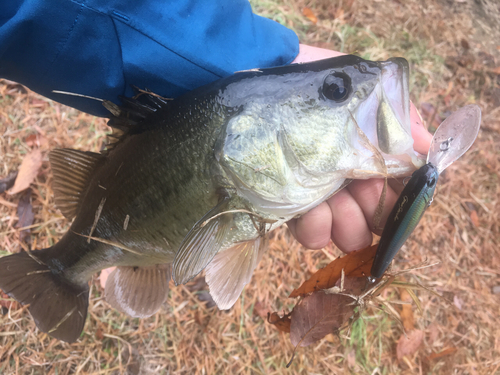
{"points": [[195, 183]]}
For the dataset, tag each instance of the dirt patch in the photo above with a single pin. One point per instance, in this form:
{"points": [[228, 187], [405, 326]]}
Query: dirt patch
{"points": [[485, 16]]}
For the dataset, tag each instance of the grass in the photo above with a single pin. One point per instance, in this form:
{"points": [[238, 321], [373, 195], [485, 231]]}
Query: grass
{"points": [[187, 337]]}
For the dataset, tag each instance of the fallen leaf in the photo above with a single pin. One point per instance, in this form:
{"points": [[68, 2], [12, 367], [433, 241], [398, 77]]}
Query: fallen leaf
{"points": [[433, 330], [27, 171], [447, 99], [260, 309], [7, 182], [309, 14], [338, 14], [427, 109], [407, 311], [37, 140], [450, 88], [281, 323], [331, 338], [408, 345], [25, 215], [132, 358], [197, 284], [355, 264], [5, 304], [474, 218], [30, 140], [98, 334], [351, 359], [320, 314], [204, 296], [442, 353], [199, 287], [38, 103], [457, 302], [202, 319]]}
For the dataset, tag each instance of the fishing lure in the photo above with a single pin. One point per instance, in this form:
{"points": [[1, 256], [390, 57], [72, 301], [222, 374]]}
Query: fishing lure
{"points": [[452, 139]]}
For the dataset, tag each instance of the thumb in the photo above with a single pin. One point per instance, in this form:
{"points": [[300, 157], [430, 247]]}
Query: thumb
{"points": [[421, 137]]}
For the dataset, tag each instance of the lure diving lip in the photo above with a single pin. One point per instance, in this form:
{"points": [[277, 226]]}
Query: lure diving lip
{"points": [[452, 139]]}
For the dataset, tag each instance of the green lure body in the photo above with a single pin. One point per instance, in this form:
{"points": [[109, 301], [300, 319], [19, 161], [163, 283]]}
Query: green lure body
{"points": [[405, 216]]}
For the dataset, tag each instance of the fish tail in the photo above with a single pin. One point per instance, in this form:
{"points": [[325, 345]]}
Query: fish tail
{"points": [[58, 307]]}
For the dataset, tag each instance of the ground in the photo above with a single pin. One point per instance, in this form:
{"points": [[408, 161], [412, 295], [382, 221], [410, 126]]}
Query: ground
{"points": [[453, 49]]}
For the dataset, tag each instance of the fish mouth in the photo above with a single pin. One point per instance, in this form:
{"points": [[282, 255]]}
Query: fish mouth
{"points": [[384, 117], [393, 114]]}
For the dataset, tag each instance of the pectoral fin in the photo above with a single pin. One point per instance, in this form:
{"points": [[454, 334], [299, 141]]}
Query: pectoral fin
{"points": [[201, 244], [138, 291], [232, 269]]}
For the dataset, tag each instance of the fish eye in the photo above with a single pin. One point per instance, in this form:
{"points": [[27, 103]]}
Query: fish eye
{"points": [[432, 182], [337, 87]]}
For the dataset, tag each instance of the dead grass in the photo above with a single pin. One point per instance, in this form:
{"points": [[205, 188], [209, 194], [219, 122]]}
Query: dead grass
{"points": [[186, 337]]}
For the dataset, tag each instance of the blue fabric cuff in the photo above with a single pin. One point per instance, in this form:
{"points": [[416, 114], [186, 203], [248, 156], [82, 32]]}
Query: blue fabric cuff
{"points": [[100, 49]]}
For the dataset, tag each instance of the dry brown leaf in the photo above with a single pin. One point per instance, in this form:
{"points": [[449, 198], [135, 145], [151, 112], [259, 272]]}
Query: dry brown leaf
{"points": [[309, 14], [331, 338], [355, 264], [351, 359], [282, 324], [27, 171], [457, 302], [260, 309], [7, 182], [409, 344], [474, 218], [199, 287], [442, 353], [339, 13], [12, 304], [320, 314], [433, 333], [37, 140], [407, 311], [99, 334]]}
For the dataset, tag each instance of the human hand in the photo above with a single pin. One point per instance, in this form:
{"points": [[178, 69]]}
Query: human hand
{"points": [[347, 217]]}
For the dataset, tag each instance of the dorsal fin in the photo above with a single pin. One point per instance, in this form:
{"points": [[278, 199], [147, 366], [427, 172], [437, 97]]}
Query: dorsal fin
{"points": [[128, 118], [71, 169]]}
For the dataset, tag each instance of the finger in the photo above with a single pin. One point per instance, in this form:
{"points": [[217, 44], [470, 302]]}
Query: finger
{"points": [[397, 184], [349, 229], [310, 53], [313, 229], [421, 137], [367, 194], [104, 276]]}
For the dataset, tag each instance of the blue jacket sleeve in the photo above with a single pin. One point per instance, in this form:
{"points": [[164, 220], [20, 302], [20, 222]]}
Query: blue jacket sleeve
{"points": [[101, 48]]}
